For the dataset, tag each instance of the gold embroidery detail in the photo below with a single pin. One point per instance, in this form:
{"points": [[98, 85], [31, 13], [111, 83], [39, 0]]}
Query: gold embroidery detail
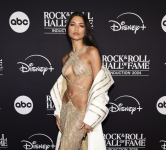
{"points": [[99, 108], [96, 84], [96, 96], [96, 114], [97, 124]]}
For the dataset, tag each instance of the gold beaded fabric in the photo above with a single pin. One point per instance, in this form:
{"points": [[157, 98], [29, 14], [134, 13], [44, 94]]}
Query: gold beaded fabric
{"points": [[79, 68], [71, 118]]}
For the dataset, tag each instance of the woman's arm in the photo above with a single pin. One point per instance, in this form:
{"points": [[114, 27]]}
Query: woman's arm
{"points": [[95, 60], [64, 59]]}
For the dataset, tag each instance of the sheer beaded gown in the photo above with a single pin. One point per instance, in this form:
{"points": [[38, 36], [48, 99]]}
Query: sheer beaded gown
{"points": [[71, 118]]}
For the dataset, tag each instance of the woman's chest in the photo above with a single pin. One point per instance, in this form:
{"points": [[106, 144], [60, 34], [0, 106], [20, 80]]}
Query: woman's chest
{"points": [[75, 66]]}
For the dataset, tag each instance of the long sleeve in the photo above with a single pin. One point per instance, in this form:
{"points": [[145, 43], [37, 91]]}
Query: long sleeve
{"points": [[103, 98], [55, 113], [97, 111], [56, 102]]}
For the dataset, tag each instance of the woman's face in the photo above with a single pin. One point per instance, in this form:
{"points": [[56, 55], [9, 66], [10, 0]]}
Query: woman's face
{"points": [[76, 25]]}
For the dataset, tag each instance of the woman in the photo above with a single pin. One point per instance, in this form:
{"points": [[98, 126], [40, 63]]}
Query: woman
{"points": [[80, 68]]}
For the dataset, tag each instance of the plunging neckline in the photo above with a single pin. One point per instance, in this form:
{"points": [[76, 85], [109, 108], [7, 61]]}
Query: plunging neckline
{"points": [[81, 61], [73, 56]]}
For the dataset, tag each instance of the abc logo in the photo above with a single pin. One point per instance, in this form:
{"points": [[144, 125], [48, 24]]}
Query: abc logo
{"points": [[163, 23], [19, 22], [23, 105], [161, 105]]}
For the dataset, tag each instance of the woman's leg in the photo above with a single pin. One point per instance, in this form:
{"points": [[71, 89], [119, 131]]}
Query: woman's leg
{"points": [[59, 147], [71, 119]]}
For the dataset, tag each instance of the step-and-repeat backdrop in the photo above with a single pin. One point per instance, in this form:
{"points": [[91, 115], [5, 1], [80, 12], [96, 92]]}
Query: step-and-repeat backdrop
{"points": [[132, 40]]}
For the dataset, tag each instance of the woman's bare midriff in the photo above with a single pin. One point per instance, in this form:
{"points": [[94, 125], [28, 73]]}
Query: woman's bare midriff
{"points": [[79, 102]]}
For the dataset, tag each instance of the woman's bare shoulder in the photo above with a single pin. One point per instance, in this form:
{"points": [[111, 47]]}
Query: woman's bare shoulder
{"points": [[93, 52], [95, 60]]}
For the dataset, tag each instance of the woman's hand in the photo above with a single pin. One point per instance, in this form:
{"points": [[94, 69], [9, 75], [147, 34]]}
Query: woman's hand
{"points": [[87, 128], [58, 122]]}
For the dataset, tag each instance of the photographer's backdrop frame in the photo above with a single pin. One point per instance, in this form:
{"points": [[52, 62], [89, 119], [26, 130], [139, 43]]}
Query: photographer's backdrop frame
{"points": [[132, 40]]}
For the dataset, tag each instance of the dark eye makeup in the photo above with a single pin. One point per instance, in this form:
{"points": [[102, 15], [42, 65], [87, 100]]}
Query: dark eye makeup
{"points": [[80, 25]]}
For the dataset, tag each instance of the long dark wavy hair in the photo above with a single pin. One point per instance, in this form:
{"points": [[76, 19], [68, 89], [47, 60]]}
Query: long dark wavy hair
{"points": [[88, 38]]}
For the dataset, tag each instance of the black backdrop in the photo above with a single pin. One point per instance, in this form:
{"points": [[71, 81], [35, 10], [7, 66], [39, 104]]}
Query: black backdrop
{"points": [[143, 129]]}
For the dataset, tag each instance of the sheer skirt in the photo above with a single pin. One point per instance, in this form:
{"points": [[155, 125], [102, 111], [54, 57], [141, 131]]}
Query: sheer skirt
{"points": [[71, 119]]}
